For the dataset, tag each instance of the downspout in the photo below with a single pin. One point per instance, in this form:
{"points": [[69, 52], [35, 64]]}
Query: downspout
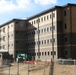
{"points": [[38, 40], [70, 30], [52, 38]]}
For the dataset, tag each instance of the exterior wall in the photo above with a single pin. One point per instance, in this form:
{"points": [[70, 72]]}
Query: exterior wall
{"points": [[45, 35], [7, 37], [40, 35], [13, 37], [20, 36]]}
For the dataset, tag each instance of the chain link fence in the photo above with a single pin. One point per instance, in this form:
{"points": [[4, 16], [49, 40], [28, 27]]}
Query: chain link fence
{"points": [[24, 68], [63, 67], [55, 67]]}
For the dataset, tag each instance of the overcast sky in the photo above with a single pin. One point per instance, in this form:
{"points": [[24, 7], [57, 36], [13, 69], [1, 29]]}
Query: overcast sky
{"points": [[22, 9]]}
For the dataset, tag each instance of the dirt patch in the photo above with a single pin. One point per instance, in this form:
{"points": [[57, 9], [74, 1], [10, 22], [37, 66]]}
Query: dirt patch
{"points": [[3, 74]]}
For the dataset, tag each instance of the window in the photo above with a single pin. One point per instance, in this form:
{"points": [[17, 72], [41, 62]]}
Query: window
{"points": [[45, 53], [17, 32], [8, 26], [44, 18], [65, 26], [47, 29], [34, 22], [65, 39], [11, 44], [11, 34], [45, 41], [48, 53], [65, 13], [66, 52], [16, 22], [3, 38], [3, 29], [47, 17], [50, 28], [44, 29], [37, 21], [42, 41], [17, 42], [11, 25], [53, 15], [37, 42], [50, 16], [3, 46]]}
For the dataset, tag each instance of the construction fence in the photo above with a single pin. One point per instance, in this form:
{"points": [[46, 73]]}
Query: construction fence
{"points": [[53, 67], [24, 68]]}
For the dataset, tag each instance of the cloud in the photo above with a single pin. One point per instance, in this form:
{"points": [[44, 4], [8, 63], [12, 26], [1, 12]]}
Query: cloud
{"points": [[6, 6], [22, 5], [45, 2], [9, 5]]}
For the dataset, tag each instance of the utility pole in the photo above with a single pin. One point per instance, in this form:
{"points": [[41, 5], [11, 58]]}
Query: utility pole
{"points": [[38, 39]]}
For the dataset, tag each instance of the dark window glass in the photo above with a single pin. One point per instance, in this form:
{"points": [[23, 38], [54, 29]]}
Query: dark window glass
{"points": [[65, 26], [50, 28], [34, 22], [45, 53], [48, 53], [47, 29], [65, 13], [44, 18], [65, 39], [66, 52], [53, 14], [47, 17], [50, 16], [3, 29], [42, 41], [44, 29], [47, 41]]}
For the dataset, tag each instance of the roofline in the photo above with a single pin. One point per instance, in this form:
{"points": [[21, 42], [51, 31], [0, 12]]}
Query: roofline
{"points": [[55, 7], [69, 4], [13, 20], [43, 12]]}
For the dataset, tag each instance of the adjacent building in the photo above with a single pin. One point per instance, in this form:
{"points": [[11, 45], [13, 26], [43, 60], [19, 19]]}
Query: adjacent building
{"points": [[49, 34]]}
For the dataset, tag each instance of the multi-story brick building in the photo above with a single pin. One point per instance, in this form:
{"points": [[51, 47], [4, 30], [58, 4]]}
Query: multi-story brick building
{"points": [[49, 34], [12, 36]]}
